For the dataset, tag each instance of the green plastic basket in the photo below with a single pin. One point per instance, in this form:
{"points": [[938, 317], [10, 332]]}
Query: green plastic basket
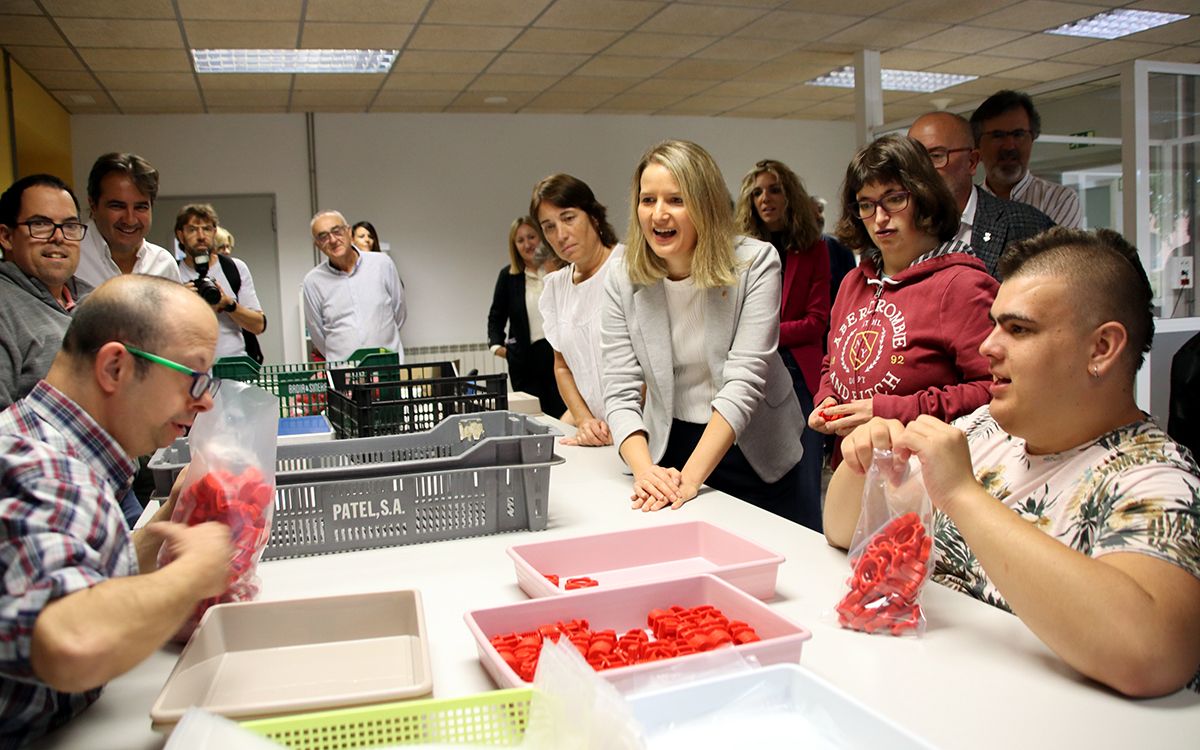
{"points": [[497, 718], [300, 387]]}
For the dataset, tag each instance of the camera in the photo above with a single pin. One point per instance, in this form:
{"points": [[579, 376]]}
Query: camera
{"points": [[206, 287]]}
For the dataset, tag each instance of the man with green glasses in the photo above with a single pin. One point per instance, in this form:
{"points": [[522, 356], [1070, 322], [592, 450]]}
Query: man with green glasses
{"points": [[82, 600]]}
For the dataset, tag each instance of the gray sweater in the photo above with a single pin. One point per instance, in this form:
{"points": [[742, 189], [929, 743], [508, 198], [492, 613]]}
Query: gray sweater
{"points": [[32, 324]]}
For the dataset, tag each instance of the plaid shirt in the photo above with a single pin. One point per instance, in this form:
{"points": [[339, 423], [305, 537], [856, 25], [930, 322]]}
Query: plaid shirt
{"points": [[61, 531]]}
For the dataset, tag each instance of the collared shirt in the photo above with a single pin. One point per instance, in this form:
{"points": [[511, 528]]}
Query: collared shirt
{"points": [[230, 342], [349, 311], [97, 266], [967, 220], [63, 531], [1059, 202]]}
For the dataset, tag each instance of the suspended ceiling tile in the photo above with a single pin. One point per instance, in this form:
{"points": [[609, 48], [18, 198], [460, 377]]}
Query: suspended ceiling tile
{"points": [[785, 73], [126, 9], [940, 11], [1047, 71], [245, 82], [768, 108], [355, 35], [242, 34], [375, 11], [984, 87], [339, 81], [914, 59], [860, 8], [966, 39], [659, 45], [30, 31], [738, 48], [246, 98], [618, 15], [591, 85], [464, 38], [132, 60], [420, 61], [343, 98], [829, 109], [532, 109], [979, 65], [489, 12], [1038, 15], [58, 80], [241, 10], [151, 99], [883, 33], [563, 40], [1109, 52], [247, 109], [533, 63], [799, 27], [503, 82], [428, 81], [668, 88], [566, 100], [614, 65], [515, 100], [696, 19], [20, 8], [745, 88], [1041, 46], [437, 99], [45, 58], [1180, 32], [707, 70], [146, 81], [706, 105], [105, 32], [637, 103], [1177, 54], [809, 93], [764, 4], [1169, 6]]}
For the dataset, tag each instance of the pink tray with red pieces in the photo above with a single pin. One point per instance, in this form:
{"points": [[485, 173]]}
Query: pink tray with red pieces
{"points": [[654, 553], [625, 608]]}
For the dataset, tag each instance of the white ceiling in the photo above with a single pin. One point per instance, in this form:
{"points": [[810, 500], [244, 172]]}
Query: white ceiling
{"points": [[735, 58]]}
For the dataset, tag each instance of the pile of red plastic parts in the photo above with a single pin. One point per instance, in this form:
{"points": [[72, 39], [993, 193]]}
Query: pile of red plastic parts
{"points": [[677, 631], [582, 582], [886, 579]]}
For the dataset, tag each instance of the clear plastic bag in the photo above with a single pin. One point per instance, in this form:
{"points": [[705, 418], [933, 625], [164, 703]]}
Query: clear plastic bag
{"points": [[231, 480], [891, 552]]}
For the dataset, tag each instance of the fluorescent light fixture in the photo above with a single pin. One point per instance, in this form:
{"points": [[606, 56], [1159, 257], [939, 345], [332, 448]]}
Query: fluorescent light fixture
{"points": [[293, 60], [1115, 24], [894, 80]]}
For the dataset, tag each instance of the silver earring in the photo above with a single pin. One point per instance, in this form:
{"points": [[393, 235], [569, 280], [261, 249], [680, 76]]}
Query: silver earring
{"points": [[1095, 372]]}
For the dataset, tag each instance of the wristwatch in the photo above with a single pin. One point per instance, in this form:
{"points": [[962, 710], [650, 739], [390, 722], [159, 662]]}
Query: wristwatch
{"points": [[230, 307]]}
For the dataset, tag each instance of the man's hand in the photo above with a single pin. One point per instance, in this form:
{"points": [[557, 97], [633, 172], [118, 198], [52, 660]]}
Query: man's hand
{"points": [[656, 487], [945, 459], [204, 551], [590, 432], [221, 303]]}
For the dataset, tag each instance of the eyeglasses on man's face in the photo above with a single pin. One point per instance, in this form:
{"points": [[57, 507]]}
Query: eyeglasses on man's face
{"points": [[338, 231], [44, 229], [941, 156], [890, 203], [1020, 134], [201, 381]]}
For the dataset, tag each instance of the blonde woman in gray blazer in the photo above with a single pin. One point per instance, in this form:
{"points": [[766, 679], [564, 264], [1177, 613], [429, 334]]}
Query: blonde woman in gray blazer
{"points": [[692, 317]]}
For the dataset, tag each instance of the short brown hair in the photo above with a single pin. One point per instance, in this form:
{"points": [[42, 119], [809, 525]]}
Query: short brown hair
{"points": [[1105, 273], [202, 211], [801, 225], [144, 176], [903, 160], [565, 191]]}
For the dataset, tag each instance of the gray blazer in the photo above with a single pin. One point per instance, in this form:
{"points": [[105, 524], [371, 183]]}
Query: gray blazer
{"points": [[741, 333], [999, 222]]}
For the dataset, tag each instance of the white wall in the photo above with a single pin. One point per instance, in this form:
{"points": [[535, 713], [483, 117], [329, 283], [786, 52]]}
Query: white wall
{"points": [[440, 189]]}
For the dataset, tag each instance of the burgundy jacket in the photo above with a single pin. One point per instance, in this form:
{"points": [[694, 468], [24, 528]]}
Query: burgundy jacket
{"points": [[804, 316]]}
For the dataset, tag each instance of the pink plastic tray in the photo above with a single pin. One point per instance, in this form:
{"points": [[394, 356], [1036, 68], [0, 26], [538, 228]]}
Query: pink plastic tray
{"points": [[654, 553], [624, 608]]}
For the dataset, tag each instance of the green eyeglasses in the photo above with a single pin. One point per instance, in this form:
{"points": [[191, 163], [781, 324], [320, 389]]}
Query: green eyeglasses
{"points": [[201, 381]]}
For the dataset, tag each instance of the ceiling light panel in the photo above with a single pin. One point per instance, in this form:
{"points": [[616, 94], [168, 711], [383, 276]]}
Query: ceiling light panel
{"points": [[1115, 24], [895, 80], [293, 60]]}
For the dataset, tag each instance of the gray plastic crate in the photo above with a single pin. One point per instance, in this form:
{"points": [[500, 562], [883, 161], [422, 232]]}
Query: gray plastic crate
{"points": [[473, 474]]}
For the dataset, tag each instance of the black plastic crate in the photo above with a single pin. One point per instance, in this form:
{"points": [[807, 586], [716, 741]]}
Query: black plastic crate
{"points": [[371, 401]]}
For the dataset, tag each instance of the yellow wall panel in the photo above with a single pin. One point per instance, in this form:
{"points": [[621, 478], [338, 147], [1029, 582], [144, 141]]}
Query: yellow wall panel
{"points": [[43, 128], [6, 165]]}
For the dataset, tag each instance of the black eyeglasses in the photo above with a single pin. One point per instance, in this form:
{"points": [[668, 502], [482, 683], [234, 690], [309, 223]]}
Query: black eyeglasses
{"points": [[201, 381], [44, 229], [941, 156], [1019, 134], [890, 203]]}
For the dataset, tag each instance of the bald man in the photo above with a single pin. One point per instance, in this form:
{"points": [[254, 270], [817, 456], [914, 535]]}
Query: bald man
{"points": [[83, 600], [988, 224]]}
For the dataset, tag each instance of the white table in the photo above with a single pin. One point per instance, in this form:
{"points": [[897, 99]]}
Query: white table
{"points": [[977, 679]]}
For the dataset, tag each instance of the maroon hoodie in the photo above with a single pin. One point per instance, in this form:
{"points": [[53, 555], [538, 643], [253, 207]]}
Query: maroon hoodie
{"points": [[911, 342]]}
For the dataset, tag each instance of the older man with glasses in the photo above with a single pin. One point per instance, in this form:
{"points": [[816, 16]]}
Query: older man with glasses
{"points": [[82, 599], [353, 300], [1005, 127]]}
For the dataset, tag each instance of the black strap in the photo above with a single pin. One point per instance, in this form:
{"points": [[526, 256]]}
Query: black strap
{"points": [[234, 277]]}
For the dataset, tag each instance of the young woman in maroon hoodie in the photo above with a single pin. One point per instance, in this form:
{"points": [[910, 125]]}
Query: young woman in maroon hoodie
{"points": [[905, 330]]}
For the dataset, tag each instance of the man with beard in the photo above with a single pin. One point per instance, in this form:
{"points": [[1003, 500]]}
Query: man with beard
{"points": [[1005, 127]]}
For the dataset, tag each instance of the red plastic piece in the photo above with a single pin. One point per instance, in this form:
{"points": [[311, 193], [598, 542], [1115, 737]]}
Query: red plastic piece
{"points": [[580, 583], [886, 579]]}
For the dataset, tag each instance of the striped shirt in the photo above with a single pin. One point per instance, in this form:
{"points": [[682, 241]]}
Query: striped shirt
{"points": [[1059, 202], [61, 531]]}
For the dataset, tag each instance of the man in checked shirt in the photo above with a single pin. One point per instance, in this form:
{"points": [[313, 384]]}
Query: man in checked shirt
{"points": [[82, 599]]}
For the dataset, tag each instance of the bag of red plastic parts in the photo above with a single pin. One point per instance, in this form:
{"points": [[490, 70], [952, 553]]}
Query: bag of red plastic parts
{"points": [[891, 553], [231, 480]]}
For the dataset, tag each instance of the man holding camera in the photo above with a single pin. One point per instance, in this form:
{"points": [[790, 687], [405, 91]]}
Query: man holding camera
{"points": [[222, 281]]}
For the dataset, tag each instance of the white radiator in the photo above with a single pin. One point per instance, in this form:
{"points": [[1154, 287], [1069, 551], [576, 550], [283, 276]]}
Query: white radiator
{"points": [[468, 356]]}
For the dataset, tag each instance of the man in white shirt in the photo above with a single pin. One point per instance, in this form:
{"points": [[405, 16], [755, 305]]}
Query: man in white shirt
{"points": [[234, 300], [121, 193], [988, 224], [354, 300], [1005, 127]]}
